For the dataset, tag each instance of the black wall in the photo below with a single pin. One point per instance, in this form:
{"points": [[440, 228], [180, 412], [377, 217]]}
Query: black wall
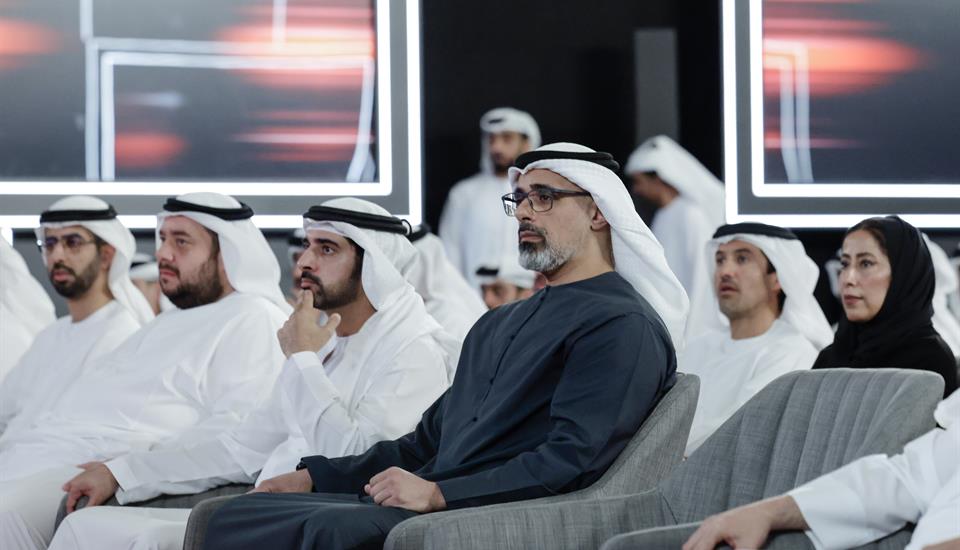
{"points": [[570, 64], [567, 62]]}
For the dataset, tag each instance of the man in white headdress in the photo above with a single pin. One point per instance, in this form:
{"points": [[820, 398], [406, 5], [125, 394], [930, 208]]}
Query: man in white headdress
{"points": [[472, 226], [87, 252], [548, 390], [363, 364], [863, 501], [505, 283], [25, 308], [690, 206], [765, 319], [448, 297], [187, 376]]}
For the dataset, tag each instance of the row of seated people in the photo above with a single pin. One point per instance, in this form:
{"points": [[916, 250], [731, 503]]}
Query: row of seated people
{"points": [[689, 207], [357, 410]]}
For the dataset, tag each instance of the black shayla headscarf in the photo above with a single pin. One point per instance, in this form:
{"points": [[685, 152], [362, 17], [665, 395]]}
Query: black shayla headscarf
{"points": [[907, 310]]}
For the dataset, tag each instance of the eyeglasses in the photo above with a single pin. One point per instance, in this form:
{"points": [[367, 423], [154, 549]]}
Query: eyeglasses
{"points": [[71, 243], [541, 199]]}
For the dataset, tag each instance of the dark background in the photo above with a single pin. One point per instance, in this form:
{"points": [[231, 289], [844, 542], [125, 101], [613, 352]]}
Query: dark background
{"points": [[571, 65]]}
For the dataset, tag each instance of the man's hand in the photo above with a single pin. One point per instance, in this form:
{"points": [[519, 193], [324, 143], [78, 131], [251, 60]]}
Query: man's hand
{"points": [[747, 526], [301, 331], [399, 488], [96, 482], [294, 482]]}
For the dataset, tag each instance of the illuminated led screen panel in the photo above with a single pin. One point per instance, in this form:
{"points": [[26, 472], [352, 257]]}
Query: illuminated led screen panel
{"points": [[841, 109], [283, 103]]}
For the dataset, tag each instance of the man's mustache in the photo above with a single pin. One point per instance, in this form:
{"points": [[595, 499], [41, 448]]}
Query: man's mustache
{"points": [[168, 267], [61, 266], [527, 226], [311, 277]]}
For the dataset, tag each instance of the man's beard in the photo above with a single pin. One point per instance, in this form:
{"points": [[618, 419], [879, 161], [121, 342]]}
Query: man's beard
{"points": [[500, 162], [327, 297], [81, 282], [542, 257], [202, 289]]}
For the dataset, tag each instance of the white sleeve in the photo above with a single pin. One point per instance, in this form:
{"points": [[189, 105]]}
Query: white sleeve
{"points": [[238, 379], [11, 390], [877, 495], [149, 474], [787, 356], [397, 395], [233, 457]]}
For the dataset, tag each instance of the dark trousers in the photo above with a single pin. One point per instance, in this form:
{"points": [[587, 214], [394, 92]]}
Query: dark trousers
{"points": [[301, 521]]}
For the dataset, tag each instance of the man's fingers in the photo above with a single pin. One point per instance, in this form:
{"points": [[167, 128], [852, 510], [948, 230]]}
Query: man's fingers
{"points": [[305, 300], [378, 478], [381, 496], [72, 497]]}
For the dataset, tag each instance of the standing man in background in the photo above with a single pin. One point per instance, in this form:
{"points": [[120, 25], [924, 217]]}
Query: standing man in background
{"points": [[690, 202], [472, 227]]}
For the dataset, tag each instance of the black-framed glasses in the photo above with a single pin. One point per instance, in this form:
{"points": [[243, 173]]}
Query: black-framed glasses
{"points": [[541, 199], [71, 243]]}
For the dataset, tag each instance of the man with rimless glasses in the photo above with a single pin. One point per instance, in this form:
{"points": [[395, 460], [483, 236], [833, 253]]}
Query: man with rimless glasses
{"points": [[87, 252], [548, 390]]}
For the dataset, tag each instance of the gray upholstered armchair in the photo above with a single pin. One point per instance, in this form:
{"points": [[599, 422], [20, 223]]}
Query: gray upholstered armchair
{"points": [[652, 453], [802, 425]]}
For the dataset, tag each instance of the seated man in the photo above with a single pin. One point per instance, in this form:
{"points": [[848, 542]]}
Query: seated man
{"points": [[87, 252], [338, 394], [189, 374], [863, 501], [548, 391], [505, 283], [771, 323], [448, 297]]}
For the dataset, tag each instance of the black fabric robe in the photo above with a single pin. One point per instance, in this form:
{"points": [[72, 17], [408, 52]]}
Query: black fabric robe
{"points": [[547, 393]]}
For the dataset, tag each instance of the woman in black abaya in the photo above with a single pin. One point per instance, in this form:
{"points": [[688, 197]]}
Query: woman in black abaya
{"points": [[886, 287]]}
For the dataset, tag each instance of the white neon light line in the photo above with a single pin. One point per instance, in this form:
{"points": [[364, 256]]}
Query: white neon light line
{"points": [[279, 21], [361, 151], [91, 115], [730, 147], [107, 120], [853, 189], [840, 221], [757, 168], [798, 96], [86, 19], [788, 128], [385, 131], [415, 183], [263, 188], [164, 45]]}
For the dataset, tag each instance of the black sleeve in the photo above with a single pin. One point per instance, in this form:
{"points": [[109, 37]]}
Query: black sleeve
{"points": [[612, 377], [411, 452]]}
